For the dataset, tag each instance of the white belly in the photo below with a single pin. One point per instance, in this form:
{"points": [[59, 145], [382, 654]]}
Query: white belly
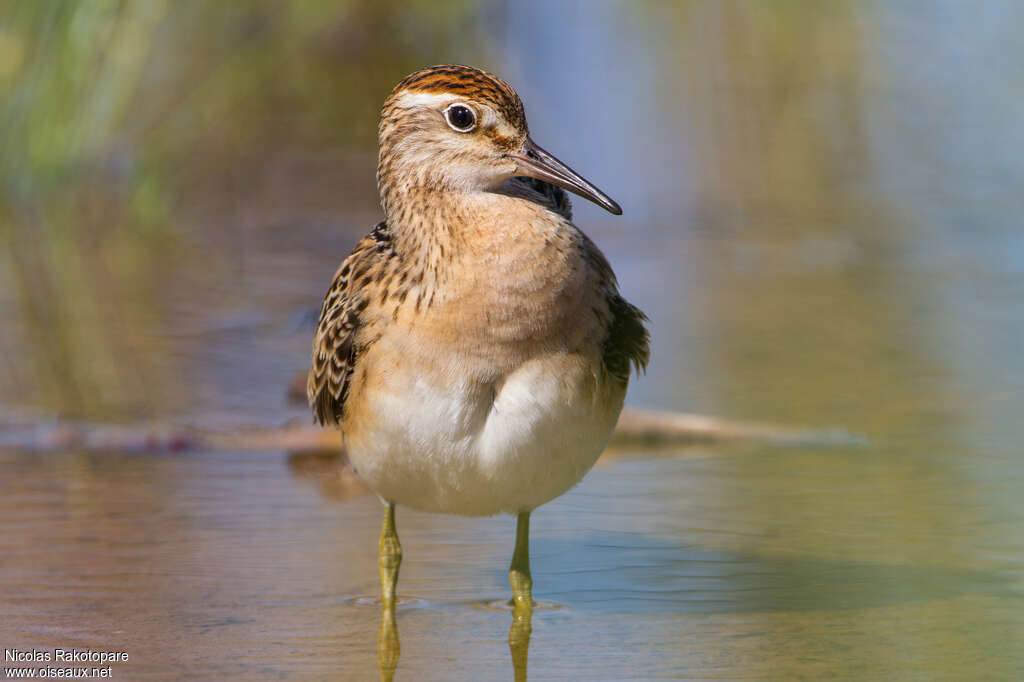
{"points": [[479, 449]]}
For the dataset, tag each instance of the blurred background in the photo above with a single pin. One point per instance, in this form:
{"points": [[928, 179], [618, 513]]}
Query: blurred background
{"points": [[822, 218]]}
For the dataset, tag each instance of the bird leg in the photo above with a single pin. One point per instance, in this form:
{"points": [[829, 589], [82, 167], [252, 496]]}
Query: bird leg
{"points": [[390, 558], [519, 572]]}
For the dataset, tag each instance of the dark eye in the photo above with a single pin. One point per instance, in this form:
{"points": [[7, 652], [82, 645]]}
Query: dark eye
{"points": [[460, 117]]}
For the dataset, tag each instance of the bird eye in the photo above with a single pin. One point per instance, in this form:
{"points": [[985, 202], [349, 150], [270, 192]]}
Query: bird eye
{"points": [[460, 118]]}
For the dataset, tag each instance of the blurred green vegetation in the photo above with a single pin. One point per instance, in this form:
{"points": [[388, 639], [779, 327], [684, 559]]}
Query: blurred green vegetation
{"points": [[158, 158], [119, 119]]}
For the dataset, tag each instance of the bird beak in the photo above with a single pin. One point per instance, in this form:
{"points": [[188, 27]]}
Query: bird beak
{"points": [[534, 162]]}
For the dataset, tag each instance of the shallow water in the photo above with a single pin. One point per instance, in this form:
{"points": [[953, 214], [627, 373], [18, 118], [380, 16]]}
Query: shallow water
{"points": [[694, 564], [822, 219]]}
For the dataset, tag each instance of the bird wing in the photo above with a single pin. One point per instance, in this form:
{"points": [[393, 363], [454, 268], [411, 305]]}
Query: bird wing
{"points": [[338, 341], [627, 341]]}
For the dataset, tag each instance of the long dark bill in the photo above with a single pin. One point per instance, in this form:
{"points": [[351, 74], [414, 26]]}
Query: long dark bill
{"points": [[534, 162]]}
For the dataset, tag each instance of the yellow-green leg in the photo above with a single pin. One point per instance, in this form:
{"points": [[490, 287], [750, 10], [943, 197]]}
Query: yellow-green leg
{"points": [[519, 572], [390, 557]]}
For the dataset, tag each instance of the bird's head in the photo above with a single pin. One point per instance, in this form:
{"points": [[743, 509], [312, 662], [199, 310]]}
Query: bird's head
{"points": [[456, 128]]}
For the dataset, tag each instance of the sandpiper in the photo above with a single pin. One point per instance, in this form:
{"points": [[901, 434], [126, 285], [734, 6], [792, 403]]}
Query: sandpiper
{"points": [[473, 348]]}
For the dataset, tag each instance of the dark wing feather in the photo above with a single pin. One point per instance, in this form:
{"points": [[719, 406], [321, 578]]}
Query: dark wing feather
{"points": [[337, 344], [627, 342]]}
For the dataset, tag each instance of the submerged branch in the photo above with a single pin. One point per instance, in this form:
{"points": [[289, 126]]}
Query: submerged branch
{"points": [[636, 428]]}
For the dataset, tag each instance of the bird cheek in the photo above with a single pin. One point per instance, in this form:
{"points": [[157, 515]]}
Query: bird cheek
{"points": [[499, 173]]}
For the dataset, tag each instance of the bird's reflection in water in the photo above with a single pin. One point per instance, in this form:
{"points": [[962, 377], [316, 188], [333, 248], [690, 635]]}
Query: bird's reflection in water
{"points": [[519, 639], [389, 649], [390, 560]]}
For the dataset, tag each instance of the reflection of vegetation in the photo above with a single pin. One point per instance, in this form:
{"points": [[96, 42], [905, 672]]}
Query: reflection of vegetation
{"points": [[809, 314], [118, 116], [782, 162], [782, 104]]}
